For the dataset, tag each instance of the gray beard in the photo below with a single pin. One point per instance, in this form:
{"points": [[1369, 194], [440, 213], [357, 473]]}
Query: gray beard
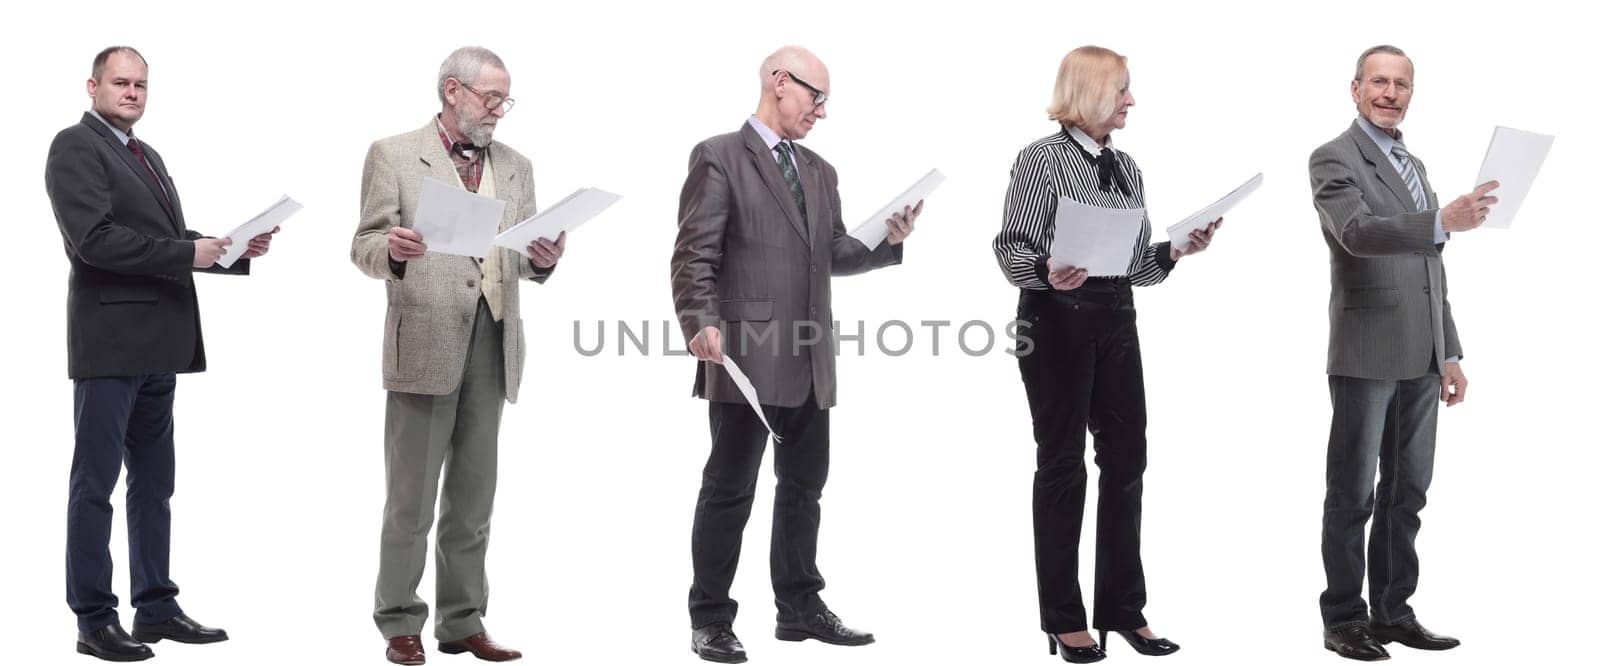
{"points": [[479, 135]]}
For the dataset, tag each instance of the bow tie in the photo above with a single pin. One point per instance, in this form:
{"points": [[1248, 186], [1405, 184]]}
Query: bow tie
{"points": [[463, 149], [1106, 164]]}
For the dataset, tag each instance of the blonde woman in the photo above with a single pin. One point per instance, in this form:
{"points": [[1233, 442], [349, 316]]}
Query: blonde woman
{"points": [[1083, 372]]}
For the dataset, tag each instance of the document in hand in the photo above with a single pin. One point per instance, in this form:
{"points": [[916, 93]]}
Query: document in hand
{"points": [[1098, 239], [568, 214], [455, 221], [1179, 233], [260, 224], [1513, 158], [873, 231], [749, 391]]}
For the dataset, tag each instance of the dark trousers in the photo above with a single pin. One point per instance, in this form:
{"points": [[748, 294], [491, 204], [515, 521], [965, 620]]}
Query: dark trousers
{"points": [[1084, 374], [121, 421], [1383, 429], [727, 490]]}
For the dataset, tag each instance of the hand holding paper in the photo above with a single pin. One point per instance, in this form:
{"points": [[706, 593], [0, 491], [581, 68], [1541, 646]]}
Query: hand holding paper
{"points": [[902, 223], [875, 229], [549, 225], [1182, 234], [1469, 211], [1513, 159], [243, 237]]}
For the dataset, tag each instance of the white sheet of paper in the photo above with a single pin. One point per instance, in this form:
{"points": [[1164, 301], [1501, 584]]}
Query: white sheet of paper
{"points": [[1179, 233], [260, 224], [873, 231], [1513, 158], [568, 214], [455, 221], [1099, 239], [749, 391]]}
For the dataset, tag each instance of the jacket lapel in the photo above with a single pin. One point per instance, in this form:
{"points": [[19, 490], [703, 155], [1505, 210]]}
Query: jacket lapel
{"points": [[139, 171], [505, 175], [433, 160], [816, 203], [767, 166], [1380, 163]]}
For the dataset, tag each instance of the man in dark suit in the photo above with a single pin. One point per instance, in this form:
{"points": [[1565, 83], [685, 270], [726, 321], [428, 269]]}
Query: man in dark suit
{"points": [[1393, 355], [132, 324], [759, 237]]}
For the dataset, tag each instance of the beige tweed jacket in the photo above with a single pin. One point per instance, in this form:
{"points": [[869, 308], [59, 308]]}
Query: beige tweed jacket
{"points": [[432, 300]]}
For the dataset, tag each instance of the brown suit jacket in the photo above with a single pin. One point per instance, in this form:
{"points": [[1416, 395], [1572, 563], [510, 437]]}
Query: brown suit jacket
{"points": [[746, 262], [432, 300]]}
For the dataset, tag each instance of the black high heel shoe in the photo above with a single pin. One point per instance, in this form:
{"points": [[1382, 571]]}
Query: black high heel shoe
{"points": [[1153, 647], [1076, 655]]}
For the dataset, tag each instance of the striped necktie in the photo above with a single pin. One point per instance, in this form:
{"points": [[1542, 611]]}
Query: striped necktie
{"points": [[1408, 173], [786, 165]]}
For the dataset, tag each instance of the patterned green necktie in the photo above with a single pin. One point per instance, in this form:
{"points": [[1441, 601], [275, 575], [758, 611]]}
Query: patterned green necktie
{"points": [[786, 165]]}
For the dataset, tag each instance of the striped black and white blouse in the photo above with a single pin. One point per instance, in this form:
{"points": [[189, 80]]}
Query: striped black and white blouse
{"points": [[1049, 169]]}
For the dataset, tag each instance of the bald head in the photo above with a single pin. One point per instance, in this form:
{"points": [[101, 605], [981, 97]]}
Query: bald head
{"points": [[796, 59], [794, 91]]}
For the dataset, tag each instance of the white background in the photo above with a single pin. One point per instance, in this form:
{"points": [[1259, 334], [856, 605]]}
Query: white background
{"points": [[927, 537]]}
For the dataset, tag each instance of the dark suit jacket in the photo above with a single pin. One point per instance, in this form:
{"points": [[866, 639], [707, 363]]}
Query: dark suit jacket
{"points": [[131, 307], [1389, 306], [747, 263]]}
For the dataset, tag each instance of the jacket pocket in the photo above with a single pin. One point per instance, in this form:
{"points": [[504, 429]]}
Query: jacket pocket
{"points": [[1377, 297], [746, 309], [394, 363], [127, 294]]}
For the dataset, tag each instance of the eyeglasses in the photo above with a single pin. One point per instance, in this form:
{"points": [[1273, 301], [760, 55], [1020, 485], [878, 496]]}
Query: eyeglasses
{"points": [[818, 97], [491, 101]]}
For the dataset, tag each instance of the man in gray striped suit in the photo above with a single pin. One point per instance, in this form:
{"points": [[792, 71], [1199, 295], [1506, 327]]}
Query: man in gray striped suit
{"points": [[1393, 355]]}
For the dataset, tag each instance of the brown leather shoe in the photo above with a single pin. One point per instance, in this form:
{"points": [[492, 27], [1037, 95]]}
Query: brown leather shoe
{"points": [[406, 650], [482, 647]]}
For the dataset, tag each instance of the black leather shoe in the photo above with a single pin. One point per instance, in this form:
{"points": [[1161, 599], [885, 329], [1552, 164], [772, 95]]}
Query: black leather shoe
{"points": [[180, 628], [716, 642], [824, 626], [1076, 655], [1411, 634], [1153, 647], [1354, 642], [111, 643]]}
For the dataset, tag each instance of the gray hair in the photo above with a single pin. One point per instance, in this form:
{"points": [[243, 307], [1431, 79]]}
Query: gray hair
{"points": [[104, 56], [464, 64], [1381, 48]]}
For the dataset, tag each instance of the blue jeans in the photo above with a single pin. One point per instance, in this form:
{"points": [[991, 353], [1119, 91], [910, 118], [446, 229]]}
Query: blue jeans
{"points": [[1382, 430]]}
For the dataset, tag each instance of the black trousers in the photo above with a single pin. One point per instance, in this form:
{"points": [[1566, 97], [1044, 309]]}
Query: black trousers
{"points": [[727, 491], [1084, 373], [121, 421], [1383, 430]]}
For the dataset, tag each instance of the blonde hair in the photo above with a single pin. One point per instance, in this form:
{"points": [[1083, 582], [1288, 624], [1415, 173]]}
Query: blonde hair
{"points": [[1088, 84]]}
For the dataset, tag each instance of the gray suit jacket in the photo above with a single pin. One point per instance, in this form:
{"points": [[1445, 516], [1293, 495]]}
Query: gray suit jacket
{"points": [[1389, 307], [432, 300], [746, 262]]}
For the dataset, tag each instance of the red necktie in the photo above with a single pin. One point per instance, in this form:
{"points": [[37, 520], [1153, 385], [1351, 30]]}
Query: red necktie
{"points": [[138, 151]]}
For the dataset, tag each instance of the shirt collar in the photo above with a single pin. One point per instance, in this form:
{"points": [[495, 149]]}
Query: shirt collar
{"points": [[121, 135], [1380, 137], [767, 135], [1087, 141]]}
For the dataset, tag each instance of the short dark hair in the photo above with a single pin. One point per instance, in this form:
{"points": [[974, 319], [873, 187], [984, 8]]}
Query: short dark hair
{"points": [[105, 55], [1381, 48]]}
